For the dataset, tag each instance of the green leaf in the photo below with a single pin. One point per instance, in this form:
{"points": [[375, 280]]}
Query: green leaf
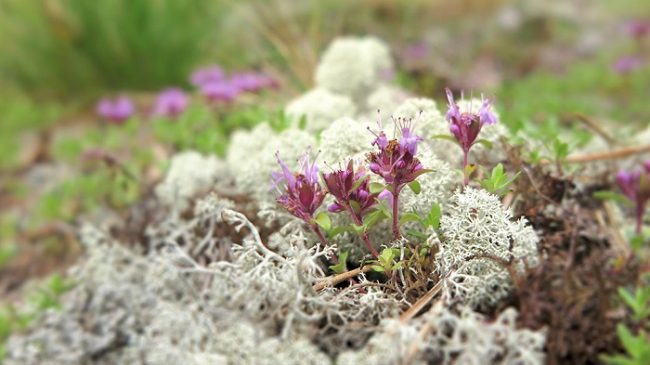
{"points": [[417, 234], [356, 185], [358, 229], [341, 267], [447, 137], [409, 217], [415, 187], [338, 230], [373, 218], [487, 144], [323, 220], [377, 268], [433, 217], [355, 206], [613, 196], [376, 188]]}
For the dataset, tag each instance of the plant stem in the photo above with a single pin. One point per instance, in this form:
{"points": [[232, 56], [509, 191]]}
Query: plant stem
{"points": [[396, 231], [640, 209], [465, 163], [364, 236], [319, 233]]}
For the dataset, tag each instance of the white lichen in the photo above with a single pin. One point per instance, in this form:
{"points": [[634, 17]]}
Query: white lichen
{"points": [[444, 337], [353, 66], [479, 237], [343, 140], [190, 173]]}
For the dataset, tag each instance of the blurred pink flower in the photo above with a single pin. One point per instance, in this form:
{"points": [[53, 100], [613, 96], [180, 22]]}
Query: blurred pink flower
{"points": [[170, 103], [116, 110], [206, 75], [627, 64]]}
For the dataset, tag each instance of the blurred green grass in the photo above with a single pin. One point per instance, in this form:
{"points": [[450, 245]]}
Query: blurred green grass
{"points": [[80, 48]]}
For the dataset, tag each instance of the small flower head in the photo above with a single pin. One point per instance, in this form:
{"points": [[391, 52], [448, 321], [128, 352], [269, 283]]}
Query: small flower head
{"points": [[637, 28], [350, 188], [300, 192], [635, 185], [252, 81], [170, 103], [220, 91], [207, 75], [395, 161], [116, 110], [627, 64], [466, 125]]}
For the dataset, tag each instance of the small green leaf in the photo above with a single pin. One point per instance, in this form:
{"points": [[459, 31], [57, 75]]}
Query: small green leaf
{"points": [[377, 268], [323, 220], [356, 185], [447, 137], [487, 144], [409, 217], [416, 234], [433, 217], [340, 267], [338, 230], [415, 187], [358, 229], [376, 188], [373, 218], [355, 206], [610, 195]]}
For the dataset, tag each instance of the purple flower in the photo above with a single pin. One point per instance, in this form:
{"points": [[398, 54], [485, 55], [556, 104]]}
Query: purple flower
{"points": [[351, 190], [635, 185], [627, 64], [170, 103], [637, 28], [387, 196], [207, 75], [300, 192], [252, 81], [116, 110], [466, 126], [220, 91], [396, 163]]}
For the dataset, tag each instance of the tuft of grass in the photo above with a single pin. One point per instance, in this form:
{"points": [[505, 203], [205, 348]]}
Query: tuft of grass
{"points": [[72, 47]]}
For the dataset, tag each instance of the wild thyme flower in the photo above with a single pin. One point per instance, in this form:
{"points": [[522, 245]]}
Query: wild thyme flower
{"points": [[627, 64], [300, 193], [396, 163], [637, 28], [252, 81], [352, 192], [207, 75], [466, 125], [116, 110], [635, 185], [220, 91], [170, 103]]}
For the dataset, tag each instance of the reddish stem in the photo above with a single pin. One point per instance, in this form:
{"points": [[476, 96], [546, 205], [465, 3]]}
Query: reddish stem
{"points": [[640, 209], [364, 236], [465, 163], [396, 231]]}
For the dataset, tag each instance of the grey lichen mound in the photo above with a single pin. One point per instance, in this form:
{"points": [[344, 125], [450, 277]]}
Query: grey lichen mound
{"points": [[478, 238], [353, 66], [190, 174], [251, 157], [343, 140], [167, 309], [444, 337]]}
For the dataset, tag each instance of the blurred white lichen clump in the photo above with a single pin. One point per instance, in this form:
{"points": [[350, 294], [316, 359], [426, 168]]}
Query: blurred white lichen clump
{"points": [[190, 173], [444, 337], [478, 238], [252, 167], [353, 66], [320, 107]]}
